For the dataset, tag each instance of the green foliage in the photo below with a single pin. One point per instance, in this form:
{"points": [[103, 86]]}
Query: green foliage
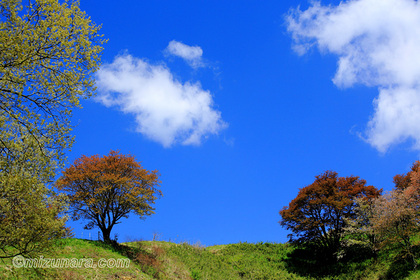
{"points": [[195, 274], [29, 221], [48, 51]]}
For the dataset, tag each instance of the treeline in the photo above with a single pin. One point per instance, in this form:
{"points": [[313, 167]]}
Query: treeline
{"points": [[340, 216]]}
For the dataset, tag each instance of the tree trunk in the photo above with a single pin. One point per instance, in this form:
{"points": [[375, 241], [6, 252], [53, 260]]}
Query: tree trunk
{"points": [[106, 232]]}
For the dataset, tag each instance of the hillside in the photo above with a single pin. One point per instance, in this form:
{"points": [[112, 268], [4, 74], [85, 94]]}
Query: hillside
{"points": [[165, 260]]}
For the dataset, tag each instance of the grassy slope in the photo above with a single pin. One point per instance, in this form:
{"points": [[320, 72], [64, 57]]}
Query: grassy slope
{"points": [[76, 248], [165, 260]]}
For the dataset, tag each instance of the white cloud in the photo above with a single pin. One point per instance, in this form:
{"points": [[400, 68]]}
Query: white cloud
{"points": [[378, 44], [192, 55], [166, 110], [396, 118]]}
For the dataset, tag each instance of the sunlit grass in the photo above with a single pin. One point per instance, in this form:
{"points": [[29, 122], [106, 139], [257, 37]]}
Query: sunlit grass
{"points": [[168, 260]]}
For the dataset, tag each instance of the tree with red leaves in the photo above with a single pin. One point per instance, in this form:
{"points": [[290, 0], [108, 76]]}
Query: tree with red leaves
{"points": [[402, 181], [105, 189], [319, 211]]}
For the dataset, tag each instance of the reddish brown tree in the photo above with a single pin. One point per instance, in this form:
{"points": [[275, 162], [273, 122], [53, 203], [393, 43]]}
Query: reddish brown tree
{"points": [[319, 211], [105, 189], [402, 181]]}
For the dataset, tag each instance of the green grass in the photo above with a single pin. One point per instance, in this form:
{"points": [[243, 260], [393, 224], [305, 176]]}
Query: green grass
{"points": [[270, 261], [166, 260], [79, 249], [235, 261]]}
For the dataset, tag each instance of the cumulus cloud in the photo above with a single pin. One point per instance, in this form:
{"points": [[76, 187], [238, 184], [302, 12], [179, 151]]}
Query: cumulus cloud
{"points": [[166, 110], [378, 44], [191, 54]]}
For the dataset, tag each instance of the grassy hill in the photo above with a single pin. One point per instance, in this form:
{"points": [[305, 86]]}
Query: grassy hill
{"points": [[165, 260]]}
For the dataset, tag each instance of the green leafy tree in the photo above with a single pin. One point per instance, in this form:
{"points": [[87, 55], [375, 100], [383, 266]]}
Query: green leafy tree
{"points": [[318, 214], [48, 52], [105, 189], [30, 217]]}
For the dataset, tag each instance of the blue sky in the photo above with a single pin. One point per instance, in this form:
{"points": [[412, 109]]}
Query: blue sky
{"points": [[239, 104]]}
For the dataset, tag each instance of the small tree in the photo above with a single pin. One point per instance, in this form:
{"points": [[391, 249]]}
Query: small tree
{"points": [[29, 215], [359, 229], [395, 221], [396, 215], [105, 189], [319, 211]]}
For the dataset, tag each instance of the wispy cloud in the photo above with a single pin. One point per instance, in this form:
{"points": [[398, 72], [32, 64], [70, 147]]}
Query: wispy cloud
{"points": [[191, 54], [166, 110], [378, 44]]}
